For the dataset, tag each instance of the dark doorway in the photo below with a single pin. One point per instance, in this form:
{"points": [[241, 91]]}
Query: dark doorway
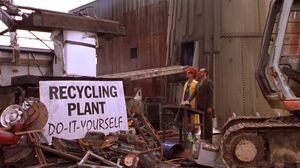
{"points": [[187, 53]]}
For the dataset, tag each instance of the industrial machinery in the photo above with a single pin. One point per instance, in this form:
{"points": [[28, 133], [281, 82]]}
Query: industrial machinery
{"points": [[272, 142]]}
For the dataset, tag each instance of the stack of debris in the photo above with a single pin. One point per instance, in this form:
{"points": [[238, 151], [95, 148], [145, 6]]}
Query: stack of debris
{"points": [[23, 144], [140, 146]]}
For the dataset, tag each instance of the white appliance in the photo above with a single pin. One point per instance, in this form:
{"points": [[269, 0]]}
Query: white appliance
{"points": [[79, 53]]}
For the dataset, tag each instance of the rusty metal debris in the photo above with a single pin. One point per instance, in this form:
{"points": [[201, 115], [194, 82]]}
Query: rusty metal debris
{"points": [[139, 147], [102, 159], [11, 115], [37, 116]]}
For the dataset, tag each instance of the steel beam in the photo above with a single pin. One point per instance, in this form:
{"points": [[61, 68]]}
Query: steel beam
{"points": [[6, 18], [148, 73], [48, 21]]}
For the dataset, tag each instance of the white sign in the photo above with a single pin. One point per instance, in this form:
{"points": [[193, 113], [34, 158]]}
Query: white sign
{"points": [[77, 107]]}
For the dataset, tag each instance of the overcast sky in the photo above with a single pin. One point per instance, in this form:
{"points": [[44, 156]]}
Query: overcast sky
{"points": [[55, 5]]}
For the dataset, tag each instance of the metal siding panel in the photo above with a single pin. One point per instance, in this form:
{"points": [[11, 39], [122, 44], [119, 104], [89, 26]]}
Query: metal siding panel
{"points": [[254, 101], [161, 18], [122, 10], [123, 55], [176, 20], [144, 22], [207, 26], [148, 51], [126, 6], [239, 94], [146, 29], [162, 48], [263, 12], [199, 7], [151, 19], [139, 21], [109, 9], [151, 62], [217, 25], [239, 16], [199, 21], [179, 5], [151, 56], [191, 17], [157, 53], [228, 80], [155, 19], [185, 19]]}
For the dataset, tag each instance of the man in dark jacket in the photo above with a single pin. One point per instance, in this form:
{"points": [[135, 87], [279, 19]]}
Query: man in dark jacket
{"points": [[204, 98]]}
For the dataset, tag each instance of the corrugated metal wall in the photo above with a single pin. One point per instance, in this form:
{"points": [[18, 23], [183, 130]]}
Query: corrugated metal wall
{"points": [[193, 20], [230, 33], [146, 24], [242, 25]]}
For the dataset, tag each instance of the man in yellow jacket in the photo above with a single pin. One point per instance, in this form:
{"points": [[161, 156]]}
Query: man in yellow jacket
{"points": [[189, 88]]}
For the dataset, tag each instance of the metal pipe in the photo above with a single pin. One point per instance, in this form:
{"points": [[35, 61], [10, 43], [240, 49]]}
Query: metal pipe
{"points": [[62, 154], [27, 132], [105, 160]]}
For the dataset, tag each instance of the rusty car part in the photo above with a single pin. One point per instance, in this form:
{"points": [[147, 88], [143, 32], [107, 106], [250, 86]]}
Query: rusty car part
{"points": [[31, 114], [11, 115], [133, 156], [109, 141], [65, 145], [37, 116], [94, 139], [102, 159], [131, 160], [84, 143], [135, 140], [8, 137]]}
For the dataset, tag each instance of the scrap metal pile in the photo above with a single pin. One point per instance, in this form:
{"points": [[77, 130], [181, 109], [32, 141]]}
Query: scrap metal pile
{"points": [[23, 144], [23, 120]]}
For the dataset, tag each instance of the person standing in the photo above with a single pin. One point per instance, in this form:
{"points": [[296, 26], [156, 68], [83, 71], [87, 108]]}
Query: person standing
{"points": [[204, 98], [188, 89], [190, 86]]}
